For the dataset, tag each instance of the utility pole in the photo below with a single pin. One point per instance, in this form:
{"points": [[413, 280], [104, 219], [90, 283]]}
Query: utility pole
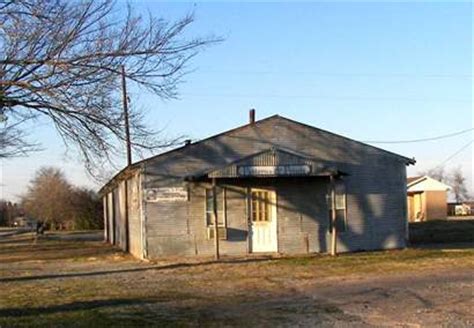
{"points": [[129, 156], [125, 112]]}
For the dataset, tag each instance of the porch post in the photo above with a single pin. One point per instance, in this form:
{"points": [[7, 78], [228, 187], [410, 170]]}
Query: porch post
{"points": [[333, 217], [216, 228]]}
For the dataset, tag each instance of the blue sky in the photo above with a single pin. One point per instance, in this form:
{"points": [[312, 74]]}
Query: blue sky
{"points": [[369, 71]]}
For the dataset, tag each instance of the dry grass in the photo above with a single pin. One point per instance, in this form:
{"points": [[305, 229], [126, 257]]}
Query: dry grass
{"points": [[83, 283]]}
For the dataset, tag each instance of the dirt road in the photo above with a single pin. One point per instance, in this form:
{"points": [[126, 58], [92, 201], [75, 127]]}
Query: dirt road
{"points": [[429, 299]]}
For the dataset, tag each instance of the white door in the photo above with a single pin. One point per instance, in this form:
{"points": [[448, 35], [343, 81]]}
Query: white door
{"points": [[263, 227]]}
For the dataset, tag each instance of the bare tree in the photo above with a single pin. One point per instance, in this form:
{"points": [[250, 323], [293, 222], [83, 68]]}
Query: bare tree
{"points": [[455, 179], [437, 173], [49, 197], [61, 60], [458, 185], [13, 141], [8, 212], [52, 199]]}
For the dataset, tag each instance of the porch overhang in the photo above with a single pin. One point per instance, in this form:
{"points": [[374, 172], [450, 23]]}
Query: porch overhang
{"points": [[271, 163]]}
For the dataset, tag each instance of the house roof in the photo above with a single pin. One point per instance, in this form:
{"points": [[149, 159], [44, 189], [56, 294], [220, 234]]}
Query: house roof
{"points": [[425, 183], [124, 172], [411, 180]]}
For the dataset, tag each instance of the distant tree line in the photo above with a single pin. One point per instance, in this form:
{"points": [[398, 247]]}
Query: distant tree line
{"points": [[54, 201], [8, 212]]}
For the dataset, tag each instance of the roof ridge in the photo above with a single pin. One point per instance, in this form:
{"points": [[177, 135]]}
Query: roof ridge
{"points": [[409, 160]]}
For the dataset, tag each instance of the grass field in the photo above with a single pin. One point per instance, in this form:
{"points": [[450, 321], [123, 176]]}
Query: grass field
{"points": [[74, 282]]}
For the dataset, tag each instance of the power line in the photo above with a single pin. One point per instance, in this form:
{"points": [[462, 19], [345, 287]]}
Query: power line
{"points": [[327, 98], [329, 74], [420, 140], [455, 154]]}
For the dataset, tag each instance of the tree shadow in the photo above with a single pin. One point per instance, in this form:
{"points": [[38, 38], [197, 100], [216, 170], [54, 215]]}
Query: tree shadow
{"points": [[172, 266], [284, 309], [70, 307]]}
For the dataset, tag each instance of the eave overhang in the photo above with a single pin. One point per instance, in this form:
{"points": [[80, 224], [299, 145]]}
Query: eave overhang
{"points": [[270, 163]]}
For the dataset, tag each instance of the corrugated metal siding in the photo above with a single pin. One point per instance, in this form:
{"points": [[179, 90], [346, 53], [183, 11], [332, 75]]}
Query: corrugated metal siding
{"points": [[272, 157], [376, 187], [105, 215], [179, 228], [119, 215], [302, 215], [134, 216], [110, 217], [118, 226]]}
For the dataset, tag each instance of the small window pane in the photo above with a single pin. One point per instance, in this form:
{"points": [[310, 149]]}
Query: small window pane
{"points": [[260, 206], [210, 207], [340, 204], [209, 218], [340, 201]]}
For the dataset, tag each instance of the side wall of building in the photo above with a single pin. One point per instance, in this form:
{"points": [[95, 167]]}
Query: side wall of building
{"points": [[376, 215], [116, 218], [134, 216], [436, 205], [105, 217]]}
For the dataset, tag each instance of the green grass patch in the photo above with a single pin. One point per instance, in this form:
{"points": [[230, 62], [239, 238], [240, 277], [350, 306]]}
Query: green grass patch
{"points": [[382, 261]]}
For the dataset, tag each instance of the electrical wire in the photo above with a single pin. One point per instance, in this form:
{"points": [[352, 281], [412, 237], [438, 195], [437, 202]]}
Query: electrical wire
{"points": [[457, 152], [330, 74], [325, 98], [419, 140]]}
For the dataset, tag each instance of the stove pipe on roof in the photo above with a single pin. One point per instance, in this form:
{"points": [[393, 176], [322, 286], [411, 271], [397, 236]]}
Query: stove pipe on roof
{"points": [[252, 116]]}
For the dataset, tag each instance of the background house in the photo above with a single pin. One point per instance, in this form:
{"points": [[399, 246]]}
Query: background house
{"points": [[427, 199]]}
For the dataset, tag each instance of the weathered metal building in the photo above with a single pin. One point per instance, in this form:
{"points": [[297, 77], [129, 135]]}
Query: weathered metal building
{"points": [[273, 185]]}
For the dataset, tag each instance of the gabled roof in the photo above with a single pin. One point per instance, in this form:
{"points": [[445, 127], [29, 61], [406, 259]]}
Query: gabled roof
{"points": [[269, 120], [426, 183]]}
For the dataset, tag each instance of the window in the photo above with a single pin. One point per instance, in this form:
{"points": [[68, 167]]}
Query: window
{"points": [[220, 192], [261, 206], [341, 210]]}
